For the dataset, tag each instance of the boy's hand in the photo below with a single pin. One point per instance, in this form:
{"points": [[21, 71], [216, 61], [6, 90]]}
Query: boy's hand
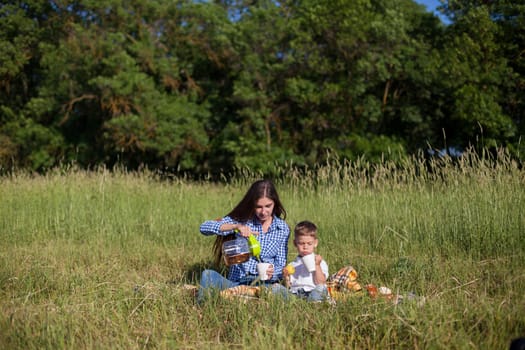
{"points": [[319, 277], [288, 270], [318, 259]]}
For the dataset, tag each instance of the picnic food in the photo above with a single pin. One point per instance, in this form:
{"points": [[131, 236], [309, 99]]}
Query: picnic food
{"points": [[384, 290], [241, 291], [290, 269], [353, 285], [372, 290]]}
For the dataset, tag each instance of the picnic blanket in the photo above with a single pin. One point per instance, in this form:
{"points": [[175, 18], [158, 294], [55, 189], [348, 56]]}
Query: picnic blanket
{"points": [[341, 285]]}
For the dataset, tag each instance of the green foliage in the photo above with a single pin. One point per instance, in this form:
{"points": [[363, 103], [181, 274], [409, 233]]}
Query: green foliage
{"points": [[38, 146], [372, 148], [208, 87], [18, 37], [484, 69], [479, 74]]}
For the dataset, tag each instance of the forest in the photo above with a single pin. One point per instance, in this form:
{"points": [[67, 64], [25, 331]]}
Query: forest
{"points": [[207, 87]]}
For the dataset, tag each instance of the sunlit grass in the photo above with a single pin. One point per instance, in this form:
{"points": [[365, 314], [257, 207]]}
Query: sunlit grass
{"points": [[97, 259]]}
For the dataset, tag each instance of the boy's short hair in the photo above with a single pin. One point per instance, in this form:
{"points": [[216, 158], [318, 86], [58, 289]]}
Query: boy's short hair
{"points": [[305, 228]]}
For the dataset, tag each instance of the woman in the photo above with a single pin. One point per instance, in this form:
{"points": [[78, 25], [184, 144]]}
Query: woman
{"points": [[261, 213]]}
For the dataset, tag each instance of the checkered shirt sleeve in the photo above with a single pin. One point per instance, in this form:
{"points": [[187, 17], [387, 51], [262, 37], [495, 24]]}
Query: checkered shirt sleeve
{"points": [[274, 246]]}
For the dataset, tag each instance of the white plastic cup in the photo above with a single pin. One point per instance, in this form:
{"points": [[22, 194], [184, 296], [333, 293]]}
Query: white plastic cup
{"points": [[309, 262], [262, 269]]}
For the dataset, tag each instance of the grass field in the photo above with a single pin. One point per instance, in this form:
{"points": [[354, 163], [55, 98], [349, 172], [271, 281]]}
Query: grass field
{"points": [[97, 260]]}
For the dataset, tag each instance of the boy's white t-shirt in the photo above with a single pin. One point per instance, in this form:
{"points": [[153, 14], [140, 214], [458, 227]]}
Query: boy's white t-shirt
{"points": [[302, 278]]}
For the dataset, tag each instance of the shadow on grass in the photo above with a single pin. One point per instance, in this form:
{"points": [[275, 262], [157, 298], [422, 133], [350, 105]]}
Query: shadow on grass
{"points": [[192, 273]]}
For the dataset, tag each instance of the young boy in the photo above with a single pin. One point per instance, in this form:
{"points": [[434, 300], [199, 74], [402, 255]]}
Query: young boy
{"points": [[302, 282]]}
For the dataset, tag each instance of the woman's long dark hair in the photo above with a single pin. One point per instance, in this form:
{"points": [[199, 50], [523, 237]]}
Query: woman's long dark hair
{"points": [[245, 210]]}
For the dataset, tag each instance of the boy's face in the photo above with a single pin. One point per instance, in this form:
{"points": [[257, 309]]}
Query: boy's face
{"points": [[305, 245]]}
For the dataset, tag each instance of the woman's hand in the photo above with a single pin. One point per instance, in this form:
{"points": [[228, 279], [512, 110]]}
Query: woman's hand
{"points": [[270, 272], [245, 231]]}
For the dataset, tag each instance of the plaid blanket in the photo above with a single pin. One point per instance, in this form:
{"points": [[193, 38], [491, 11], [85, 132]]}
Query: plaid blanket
{"points": [[343, 283], [344, 280]]}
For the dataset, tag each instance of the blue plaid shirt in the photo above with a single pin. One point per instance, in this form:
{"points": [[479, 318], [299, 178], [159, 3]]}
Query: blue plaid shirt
{"points": [[274, 247]]}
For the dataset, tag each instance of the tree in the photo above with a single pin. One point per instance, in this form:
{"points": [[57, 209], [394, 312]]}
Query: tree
{"points": [[116, 85], [356, 85], [254, 133], [477, 76], [25, 141], [208, 87]]}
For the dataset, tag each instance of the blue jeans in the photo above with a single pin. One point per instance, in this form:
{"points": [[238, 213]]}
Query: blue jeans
{"points": [[212, 281], [319, 293]]}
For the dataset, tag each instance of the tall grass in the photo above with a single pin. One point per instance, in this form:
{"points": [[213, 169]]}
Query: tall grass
{"points": [[96, 259]]}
